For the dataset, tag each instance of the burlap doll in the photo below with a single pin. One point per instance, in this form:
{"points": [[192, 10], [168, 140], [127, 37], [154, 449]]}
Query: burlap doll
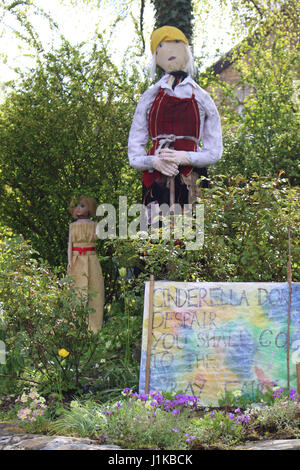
{"points": [[83, 263]]}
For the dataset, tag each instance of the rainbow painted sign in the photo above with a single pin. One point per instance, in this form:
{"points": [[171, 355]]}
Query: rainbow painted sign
{"points": [[211, 337]]}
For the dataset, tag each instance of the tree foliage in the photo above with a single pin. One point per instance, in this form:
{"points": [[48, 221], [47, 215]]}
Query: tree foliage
{"points": [[64, 132], [246, 224], [20, 12], [260, 110], [178, 13], [64, 129]]}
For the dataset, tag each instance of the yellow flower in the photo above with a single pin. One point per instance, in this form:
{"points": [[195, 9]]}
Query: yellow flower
{"points": [[74, 404], [63, 352]]}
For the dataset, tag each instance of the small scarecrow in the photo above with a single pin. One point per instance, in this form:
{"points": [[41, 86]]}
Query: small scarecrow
{"points": [[177, 114], [83, 263]]}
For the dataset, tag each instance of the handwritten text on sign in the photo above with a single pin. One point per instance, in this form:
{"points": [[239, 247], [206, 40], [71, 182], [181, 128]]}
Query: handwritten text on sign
{"points": [[211, 337]]}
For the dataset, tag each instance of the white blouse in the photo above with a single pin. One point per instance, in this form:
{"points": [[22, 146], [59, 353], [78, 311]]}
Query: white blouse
{"points": [[210, 127]]}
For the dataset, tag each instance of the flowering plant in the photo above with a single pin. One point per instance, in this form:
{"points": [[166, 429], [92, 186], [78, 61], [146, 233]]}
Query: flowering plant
{"points": [[157, 417], [31, 407], [159, 401], [220, 426]]}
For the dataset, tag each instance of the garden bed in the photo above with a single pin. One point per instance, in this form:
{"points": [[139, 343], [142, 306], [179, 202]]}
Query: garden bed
{"points": [[157, 420]]}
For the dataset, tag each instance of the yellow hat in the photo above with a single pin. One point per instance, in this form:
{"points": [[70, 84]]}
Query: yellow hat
{"points": [[166, 33]]}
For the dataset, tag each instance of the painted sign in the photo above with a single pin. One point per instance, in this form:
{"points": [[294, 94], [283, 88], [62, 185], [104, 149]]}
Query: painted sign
{"points": [[211, 337]]}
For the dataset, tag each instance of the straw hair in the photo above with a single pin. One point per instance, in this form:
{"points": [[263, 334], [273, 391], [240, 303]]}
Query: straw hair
{"points": [[189, 68]]}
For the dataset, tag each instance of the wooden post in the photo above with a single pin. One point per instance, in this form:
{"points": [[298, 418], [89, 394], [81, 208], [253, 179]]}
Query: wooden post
{"points": [[172, 191], [150, 324], [289, 276], [298, 377], [172, 202]]}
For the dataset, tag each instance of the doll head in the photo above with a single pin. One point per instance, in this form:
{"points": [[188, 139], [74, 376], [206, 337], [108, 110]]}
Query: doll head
{"points": [[83, 207], [171, 51]]}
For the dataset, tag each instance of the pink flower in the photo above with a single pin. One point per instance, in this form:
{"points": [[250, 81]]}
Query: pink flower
{"points": [[24, 413]]}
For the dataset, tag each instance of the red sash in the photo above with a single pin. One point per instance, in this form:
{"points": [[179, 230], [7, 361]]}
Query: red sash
{"points": [[83, 249], [170, 115]]}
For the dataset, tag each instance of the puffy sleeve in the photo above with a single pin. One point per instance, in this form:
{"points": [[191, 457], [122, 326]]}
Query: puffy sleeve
{"points": [[211, 132], [139, 135]]}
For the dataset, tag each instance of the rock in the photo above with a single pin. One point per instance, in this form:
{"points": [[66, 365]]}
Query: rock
{"points": [[11, 438], [275, 444], [55, 443], [10, 428]]}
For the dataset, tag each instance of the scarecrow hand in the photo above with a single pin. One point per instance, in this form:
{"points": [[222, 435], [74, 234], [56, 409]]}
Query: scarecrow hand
{"points": [[180, 157], [166, 166]]}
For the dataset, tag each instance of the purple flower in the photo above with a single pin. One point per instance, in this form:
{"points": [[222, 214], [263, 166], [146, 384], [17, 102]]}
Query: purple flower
{"points": [[143, 396], [231, 415], [174, 429], [242, 419], [175, 412], [277, 392], [190, 438]]}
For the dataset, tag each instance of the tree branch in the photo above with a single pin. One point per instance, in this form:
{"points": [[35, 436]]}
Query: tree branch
{"points": [[16, 4], [20, 378], [257, 8], [142, 22]]}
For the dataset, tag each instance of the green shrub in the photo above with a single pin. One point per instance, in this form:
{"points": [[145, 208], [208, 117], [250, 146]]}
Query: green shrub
{"points": [[245, 237], [216, 428], [63, 131], [282, 415], [41, 315]]}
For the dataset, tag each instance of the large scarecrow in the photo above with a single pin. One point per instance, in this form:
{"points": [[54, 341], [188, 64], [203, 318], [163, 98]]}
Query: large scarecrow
{"points": [[177, 114]]}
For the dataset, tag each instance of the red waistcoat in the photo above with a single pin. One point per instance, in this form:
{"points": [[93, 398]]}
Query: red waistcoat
{"points": [[170, 115]]}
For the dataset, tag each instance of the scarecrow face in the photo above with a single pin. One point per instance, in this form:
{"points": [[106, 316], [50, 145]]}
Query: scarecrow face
{"points": [[171, 56], [81, 209]]}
